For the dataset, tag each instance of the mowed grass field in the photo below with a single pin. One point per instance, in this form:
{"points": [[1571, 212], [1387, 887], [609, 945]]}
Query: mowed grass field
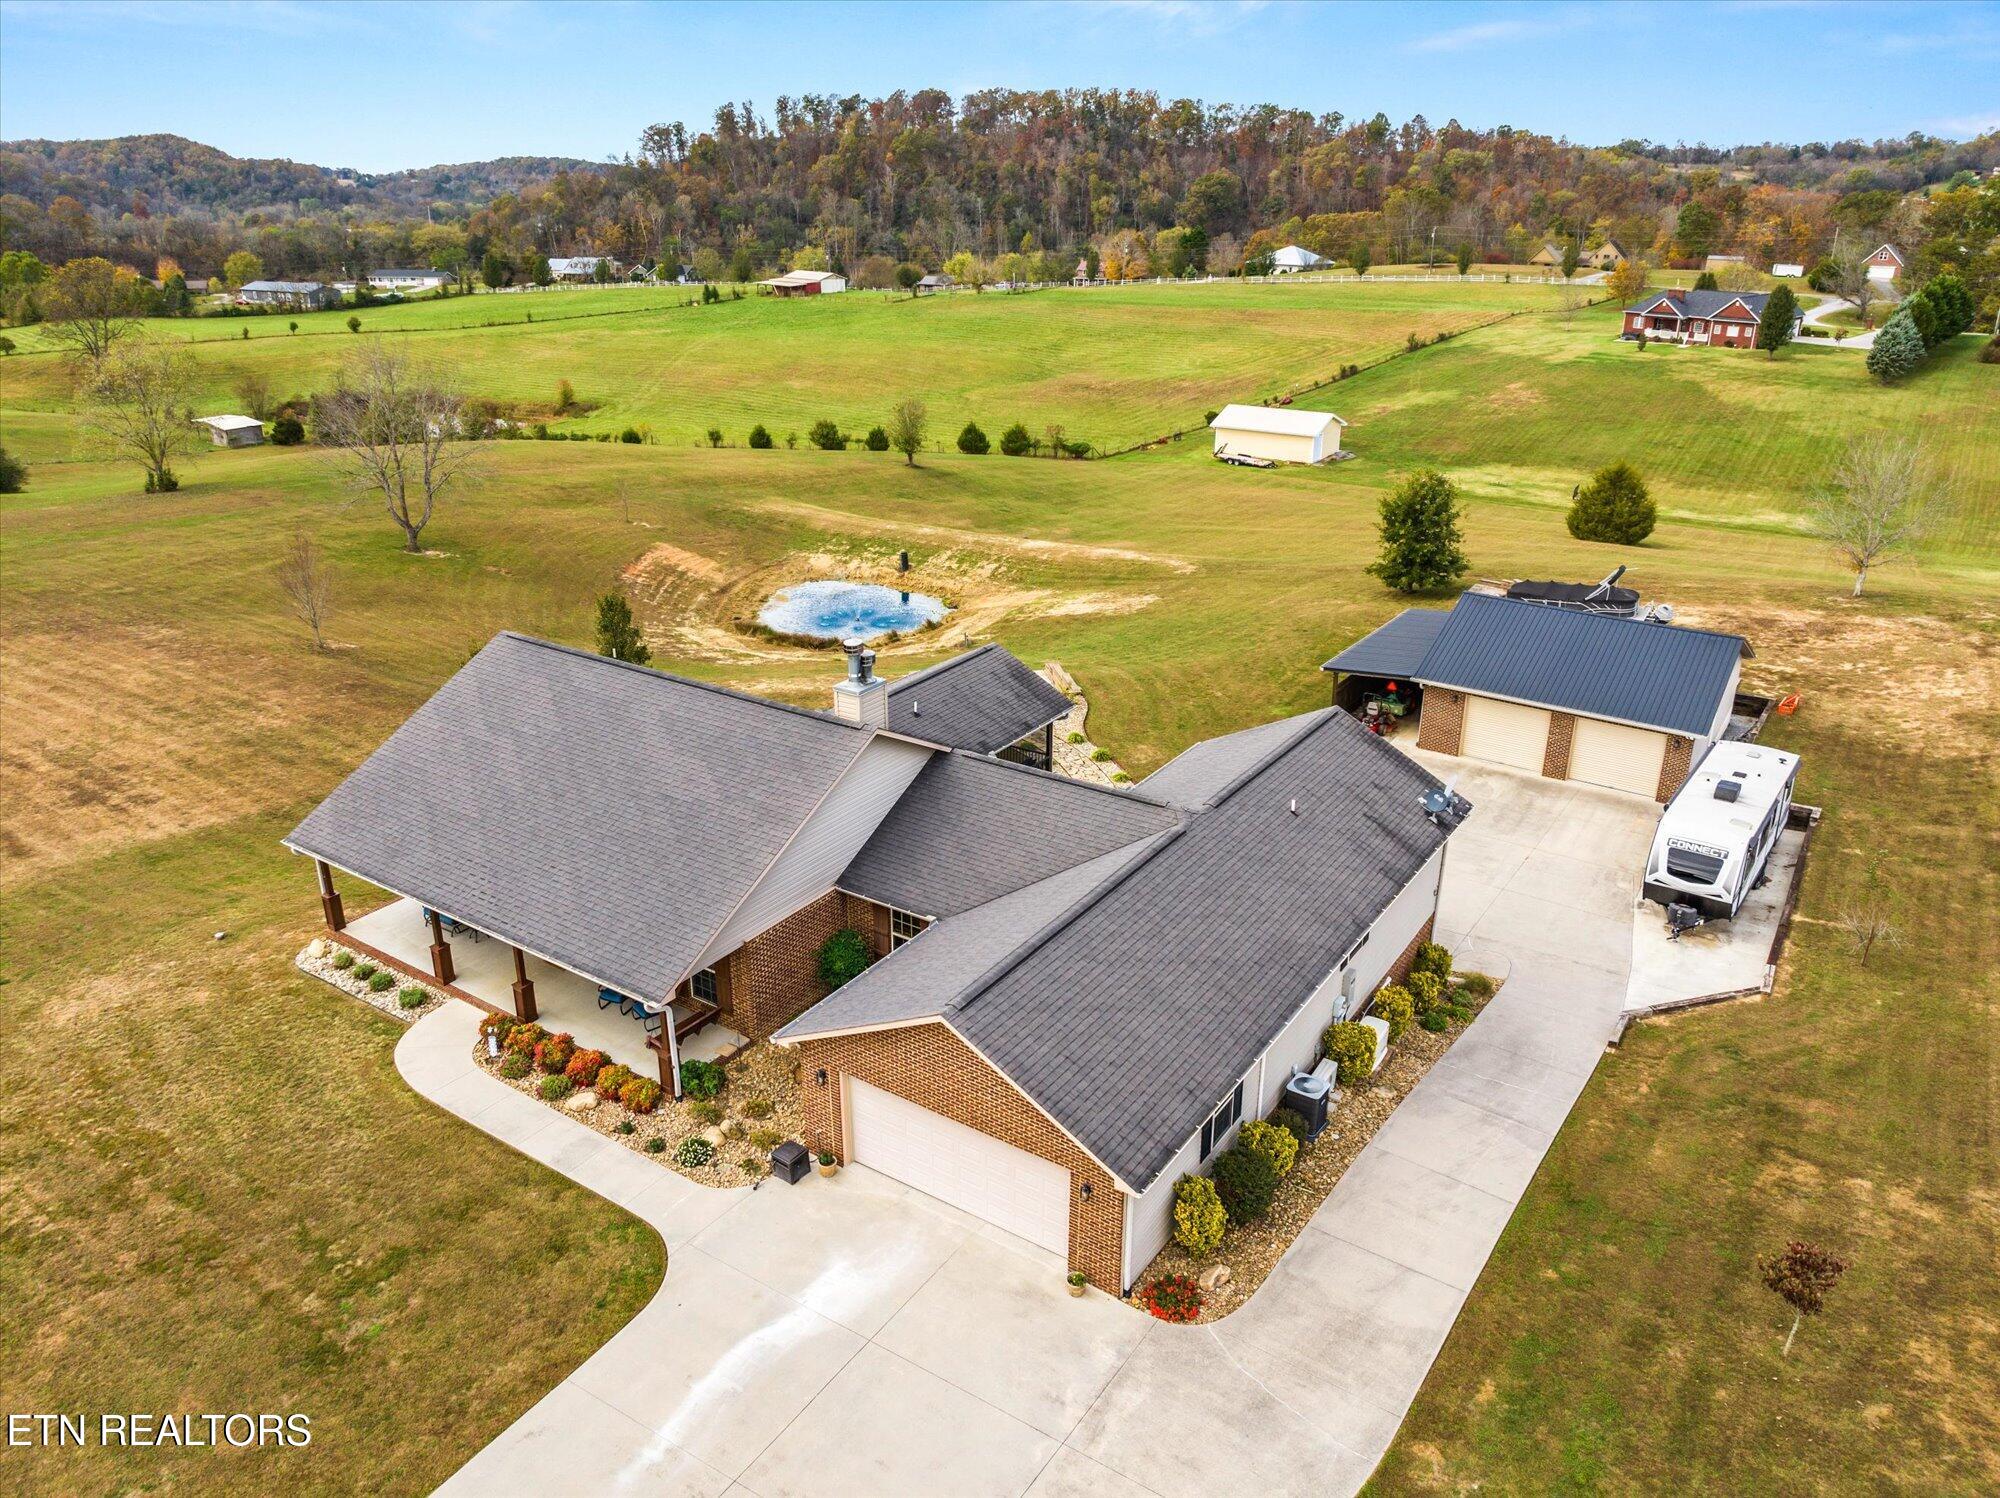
{"points": [[1112, 365], [220, 1196]]}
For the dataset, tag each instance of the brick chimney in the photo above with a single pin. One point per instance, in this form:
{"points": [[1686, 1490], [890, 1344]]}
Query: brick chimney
{"points": [[862, 697]]}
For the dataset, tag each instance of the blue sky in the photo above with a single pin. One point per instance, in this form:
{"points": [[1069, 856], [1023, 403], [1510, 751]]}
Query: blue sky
{"points": [[377, 86]]}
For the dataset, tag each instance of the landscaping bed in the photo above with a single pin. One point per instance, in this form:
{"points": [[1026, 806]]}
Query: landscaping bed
{"points": [[1250, 1250], [395, 995], [722, 1140]]}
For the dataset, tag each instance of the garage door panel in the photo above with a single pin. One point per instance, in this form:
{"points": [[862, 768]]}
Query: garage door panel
{"points": [[1008, 1187], [1616, 756], [1507, 733]]}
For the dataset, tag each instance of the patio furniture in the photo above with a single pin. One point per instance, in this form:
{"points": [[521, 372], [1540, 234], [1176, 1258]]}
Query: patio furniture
{"points": [[606, 997], [453, 927]]}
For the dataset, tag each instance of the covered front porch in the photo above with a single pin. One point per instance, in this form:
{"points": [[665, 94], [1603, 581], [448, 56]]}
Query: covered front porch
{"points": [[483, 969]]}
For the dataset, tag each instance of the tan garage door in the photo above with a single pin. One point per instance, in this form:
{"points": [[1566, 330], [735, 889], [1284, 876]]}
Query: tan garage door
{"points": [[1505, 732], [1611, 754], [1010, 1188]]}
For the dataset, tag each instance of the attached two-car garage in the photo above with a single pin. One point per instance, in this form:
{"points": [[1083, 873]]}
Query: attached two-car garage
{"points": [[1008, 1187], [1614, 755]]}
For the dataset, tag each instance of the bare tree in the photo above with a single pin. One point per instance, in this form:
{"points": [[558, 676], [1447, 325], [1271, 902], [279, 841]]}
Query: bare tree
{"points": [[254, 390], [1852, 281], [393, 429], [138, 400], [907, 424], [1874, 502], [1867, 925], [89, 305], [307, 583]]}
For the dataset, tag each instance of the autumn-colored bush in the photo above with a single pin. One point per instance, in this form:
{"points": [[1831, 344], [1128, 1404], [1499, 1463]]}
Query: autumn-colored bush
{"points": [[584, 1066], [1352, 1049], [554, 1053], [524, 1038], [1172, 1297], [641, 1094], [1394, 1004], [1273, 1141], [611, 1081]]}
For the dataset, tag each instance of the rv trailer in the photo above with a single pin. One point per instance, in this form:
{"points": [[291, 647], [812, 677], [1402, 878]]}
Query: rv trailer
{"points": [[1715, 837]]}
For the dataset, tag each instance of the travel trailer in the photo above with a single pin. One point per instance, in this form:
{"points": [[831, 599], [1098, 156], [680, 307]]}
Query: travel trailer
{"points": [[1715, 837]]}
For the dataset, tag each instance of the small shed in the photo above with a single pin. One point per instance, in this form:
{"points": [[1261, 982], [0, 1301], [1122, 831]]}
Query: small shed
{"points": [[1276, 433], [1788, 270], [1294, 258], [935, 283], [233, 431]]}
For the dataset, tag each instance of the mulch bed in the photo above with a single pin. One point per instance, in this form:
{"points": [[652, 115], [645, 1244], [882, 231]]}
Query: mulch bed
{"points": [[759, 1070], [1252, 1251]]}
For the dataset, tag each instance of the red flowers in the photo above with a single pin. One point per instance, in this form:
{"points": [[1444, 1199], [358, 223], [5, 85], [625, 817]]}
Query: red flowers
{"points": [[1172, 1297]]}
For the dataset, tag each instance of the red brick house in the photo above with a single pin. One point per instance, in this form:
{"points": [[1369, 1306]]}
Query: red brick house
{"points": [[1726, 319]]}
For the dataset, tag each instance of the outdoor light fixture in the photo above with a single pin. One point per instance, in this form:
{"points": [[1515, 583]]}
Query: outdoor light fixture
{"points": [[492, 1045], [1085, 1189], [820, 1076]]}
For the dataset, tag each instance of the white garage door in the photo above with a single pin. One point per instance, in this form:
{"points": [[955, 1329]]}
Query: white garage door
{"points": [[1008, 1187], [1611, 754], [1505, 732]]}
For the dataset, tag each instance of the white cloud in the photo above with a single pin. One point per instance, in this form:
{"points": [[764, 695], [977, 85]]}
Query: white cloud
{"points": [[1494, 33]]}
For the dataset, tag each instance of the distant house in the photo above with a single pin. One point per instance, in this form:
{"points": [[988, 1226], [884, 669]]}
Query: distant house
{"points": [[1607, 256], [1276, 435], [931, 284], [232, 431], [1718, 262], [1727, 319], [297, 296], [1294, 258], [1081, 276], [1885, 264], [405, 280], [581, 267], [1786, 271], [1550, 253], [806, 283]]}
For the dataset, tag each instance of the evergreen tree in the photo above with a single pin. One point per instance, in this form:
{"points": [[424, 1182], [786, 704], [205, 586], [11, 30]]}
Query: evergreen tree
{"points": [[1421, 534], [1571, 259], [1898, 350], [1015, 441], [1464, 258], [1706, 282], [760, 436], [877, 440], [617, 636], [1612, 505], [1360, 260], [972, 440], [13, 473], [1774, 329]]}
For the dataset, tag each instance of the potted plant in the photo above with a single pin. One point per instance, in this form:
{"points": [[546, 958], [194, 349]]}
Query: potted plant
{"points": [[1076, 1284], [827, 1164]]}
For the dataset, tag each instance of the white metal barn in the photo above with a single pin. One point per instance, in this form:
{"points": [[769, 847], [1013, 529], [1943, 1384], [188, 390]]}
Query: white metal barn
{"points": [[1281, 435], [232, 431]]}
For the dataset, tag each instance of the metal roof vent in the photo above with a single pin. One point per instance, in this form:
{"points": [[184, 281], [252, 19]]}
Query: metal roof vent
{"points": [[1728, 790]]}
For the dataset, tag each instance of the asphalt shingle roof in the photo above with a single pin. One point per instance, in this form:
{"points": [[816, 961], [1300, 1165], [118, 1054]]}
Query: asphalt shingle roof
{"points": [[1600, 665], [1394, 649], [603, 815], [983, 700], [1705, 303]]}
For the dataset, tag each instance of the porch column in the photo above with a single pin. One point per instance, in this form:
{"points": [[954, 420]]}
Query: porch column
{"points": [[1048, 746], [670, 1053], [329, 897], [440, 950], [524, 990]]}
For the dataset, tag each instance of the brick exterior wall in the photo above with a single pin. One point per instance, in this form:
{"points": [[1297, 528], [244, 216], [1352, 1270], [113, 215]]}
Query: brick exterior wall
{"points": [[773, 978], [1442, 723], [1674, 766], [1555, 758], [932, 1067]]}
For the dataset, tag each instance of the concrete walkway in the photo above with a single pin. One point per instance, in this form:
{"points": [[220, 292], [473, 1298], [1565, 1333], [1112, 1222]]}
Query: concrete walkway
{"points": [[853, 1336]]}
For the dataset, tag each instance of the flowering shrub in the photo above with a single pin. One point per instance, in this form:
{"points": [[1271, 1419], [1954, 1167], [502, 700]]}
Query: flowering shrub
{"points": [[555, 1089], [553, 1054], [1432, 958], [524, 1038], [693, 1151], [701, 1079], [497, 1024], [1245, 1180], [1395, 1005], [1274, 1142], [1352, 1049], [1172, 1297], [641, 1094], [611, 1081], [514, 1065], [584, 1066], [1199, 1218]]}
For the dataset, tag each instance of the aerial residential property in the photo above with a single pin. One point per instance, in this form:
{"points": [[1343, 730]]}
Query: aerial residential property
{"points": [[1723, 319], [581, 268], [295, 296], [1292, 259], [1275, 434], [1885, 263]]}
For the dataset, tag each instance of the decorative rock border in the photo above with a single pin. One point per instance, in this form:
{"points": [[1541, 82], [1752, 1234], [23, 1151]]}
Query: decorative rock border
{"points": [[316, 959], [1074, 760]]}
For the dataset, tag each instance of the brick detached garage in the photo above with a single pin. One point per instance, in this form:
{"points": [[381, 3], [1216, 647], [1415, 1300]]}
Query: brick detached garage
{"points": [[1627, 703]]}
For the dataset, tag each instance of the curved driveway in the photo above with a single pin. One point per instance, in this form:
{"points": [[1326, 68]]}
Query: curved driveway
{"points": [[853, 1336]]}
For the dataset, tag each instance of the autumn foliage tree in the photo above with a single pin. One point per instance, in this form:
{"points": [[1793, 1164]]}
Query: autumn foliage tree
{"points": [[1801, 1276]]}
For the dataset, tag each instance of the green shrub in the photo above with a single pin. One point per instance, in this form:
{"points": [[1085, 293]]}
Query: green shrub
{"points": [[1074, 737], [1427, 994], [844, 956], [1273, 1142], [343, 960], [1015, 441], [630, 434], [1199, 1217], [1100, 754], [381, 982], [715, 436], [515, 1065], [410, 996], [1395, 1005], [1432, 958], [701, 1079], [750, 1166], [1352, 1048], [757, 1107], [1476, 985], [703, 1111], [877, 440], [288, 431], [1245, 1180], [826, 436], [693, 1151], [555, 1089], [1613, 505], [625, 1126], [654, 1145], [759, 436], [766, 1139], [365, 970], [1436, 1021], [641, 1094], [973, 441]]}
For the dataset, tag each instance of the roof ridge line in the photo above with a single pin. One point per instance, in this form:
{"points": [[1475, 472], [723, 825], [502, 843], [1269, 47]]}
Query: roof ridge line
{"points": [[1684, 629], [1120, 792], [674, 676], [1320, 717], [938, 668]]}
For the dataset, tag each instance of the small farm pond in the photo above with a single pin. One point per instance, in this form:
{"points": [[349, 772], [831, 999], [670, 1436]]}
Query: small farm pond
{"points": [[833, 609]]}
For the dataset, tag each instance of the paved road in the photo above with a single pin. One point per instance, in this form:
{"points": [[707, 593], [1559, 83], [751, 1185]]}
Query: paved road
{"points": [[1825, 308], [852, 1336]]}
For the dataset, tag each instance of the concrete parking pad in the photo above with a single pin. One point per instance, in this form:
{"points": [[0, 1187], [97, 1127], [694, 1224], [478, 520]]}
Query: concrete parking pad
{"points": [[1411, 1215]]}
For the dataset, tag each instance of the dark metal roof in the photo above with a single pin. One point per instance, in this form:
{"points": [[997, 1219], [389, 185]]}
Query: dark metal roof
{"points": [[1602, 666], [983, 700], [1394, 649], [603, 815]]}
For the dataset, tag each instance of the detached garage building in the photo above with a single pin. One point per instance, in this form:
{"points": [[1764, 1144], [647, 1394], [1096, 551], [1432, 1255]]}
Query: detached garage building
{"points": [[1276, 433], [1600, 699]]}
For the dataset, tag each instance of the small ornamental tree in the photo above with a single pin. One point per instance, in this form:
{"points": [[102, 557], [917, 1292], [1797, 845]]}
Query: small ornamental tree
{"points": [[760, 436], [1572, 258], [1801, 1276], [1199, 1218], [877, 440], [1015, 441], [1898, 350], [617, 635], [1612, 505], [907, 424], [1421, 534], [842, 957], [1774, 330], [1464, 258], [1360, 260], [973, 441], [908, 274]]}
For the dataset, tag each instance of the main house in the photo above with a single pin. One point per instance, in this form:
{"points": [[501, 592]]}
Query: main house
{"points": [[1294, 258], [1727, 319], [1079, 991]]}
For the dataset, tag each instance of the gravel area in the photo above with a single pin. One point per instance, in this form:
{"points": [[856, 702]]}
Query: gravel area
{"points": [[758, 1072], [1074, 760], [317, 958], [1252, 1251]]}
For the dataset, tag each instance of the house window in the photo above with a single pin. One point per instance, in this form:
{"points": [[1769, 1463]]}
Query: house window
{"points": [[904, 927], [702, 985], [1220, 1122]]}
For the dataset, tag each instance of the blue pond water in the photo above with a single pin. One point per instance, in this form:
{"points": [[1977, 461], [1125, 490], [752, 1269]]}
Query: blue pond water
{"points": [[831, 609]]}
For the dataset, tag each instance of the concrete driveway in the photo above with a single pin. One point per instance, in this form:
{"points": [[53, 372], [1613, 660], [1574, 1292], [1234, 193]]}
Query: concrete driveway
{"points": [[854, 1337]]}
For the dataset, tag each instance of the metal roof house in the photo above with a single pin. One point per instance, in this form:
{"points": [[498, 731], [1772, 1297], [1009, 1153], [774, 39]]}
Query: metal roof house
{"points": [[1603, 699], [806, 283], [1295, 258], [305, 296], [1078, 990], [232, 431]]}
